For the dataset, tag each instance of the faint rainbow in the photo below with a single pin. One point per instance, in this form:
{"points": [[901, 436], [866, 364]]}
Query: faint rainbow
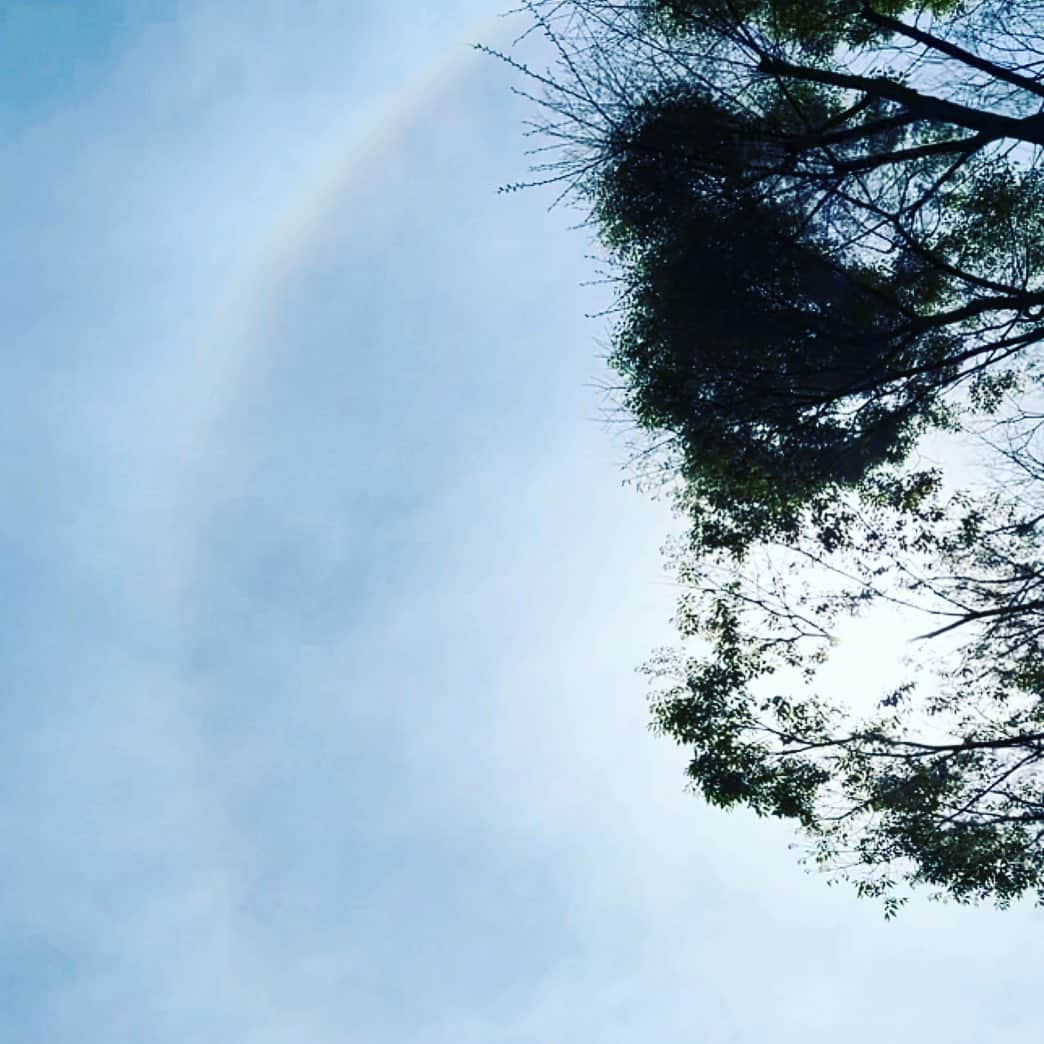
{"points": [[231, 346], [230, 355]]}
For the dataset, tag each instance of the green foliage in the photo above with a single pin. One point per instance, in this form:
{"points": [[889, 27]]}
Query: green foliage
{"points": [[819, 28], [826, 223], [942, 785], [791, 18], [780, 367]]}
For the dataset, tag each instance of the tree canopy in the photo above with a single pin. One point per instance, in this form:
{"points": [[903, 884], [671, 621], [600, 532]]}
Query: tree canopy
{"points": [[825, 223]]}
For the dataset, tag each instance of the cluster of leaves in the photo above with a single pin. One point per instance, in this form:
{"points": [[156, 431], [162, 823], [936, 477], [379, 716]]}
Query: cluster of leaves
{"points": [[780, 365], [826, 225], [943, 779], [818, 29]]}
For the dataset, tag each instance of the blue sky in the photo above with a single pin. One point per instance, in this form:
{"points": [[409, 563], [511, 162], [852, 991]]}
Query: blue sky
{"points": [[324, 598]]}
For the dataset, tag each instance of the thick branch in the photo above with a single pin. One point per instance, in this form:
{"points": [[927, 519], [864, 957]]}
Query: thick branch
{"points": [[927, 107], [982, 614], [980, 306], [911, 32], [965, 146], [847, 134]]}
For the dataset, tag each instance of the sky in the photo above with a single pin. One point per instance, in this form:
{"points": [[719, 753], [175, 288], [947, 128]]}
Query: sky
{"points": [[324, 596]]}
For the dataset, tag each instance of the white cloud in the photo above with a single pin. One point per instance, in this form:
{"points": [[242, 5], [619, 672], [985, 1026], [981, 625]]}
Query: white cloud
{"points": [[326, 725]]}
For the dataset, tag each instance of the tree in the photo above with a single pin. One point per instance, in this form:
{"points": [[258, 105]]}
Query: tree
{"points": [[826, 227]]}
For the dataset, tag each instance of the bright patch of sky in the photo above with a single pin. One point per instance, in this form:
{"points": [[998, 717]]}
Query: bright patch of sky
{"points": [[323, 598]]}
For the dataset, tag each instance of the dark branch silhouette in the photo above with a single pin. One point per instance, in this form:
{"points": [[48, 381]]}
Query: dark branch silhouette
{"points": [[826, 226]]}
